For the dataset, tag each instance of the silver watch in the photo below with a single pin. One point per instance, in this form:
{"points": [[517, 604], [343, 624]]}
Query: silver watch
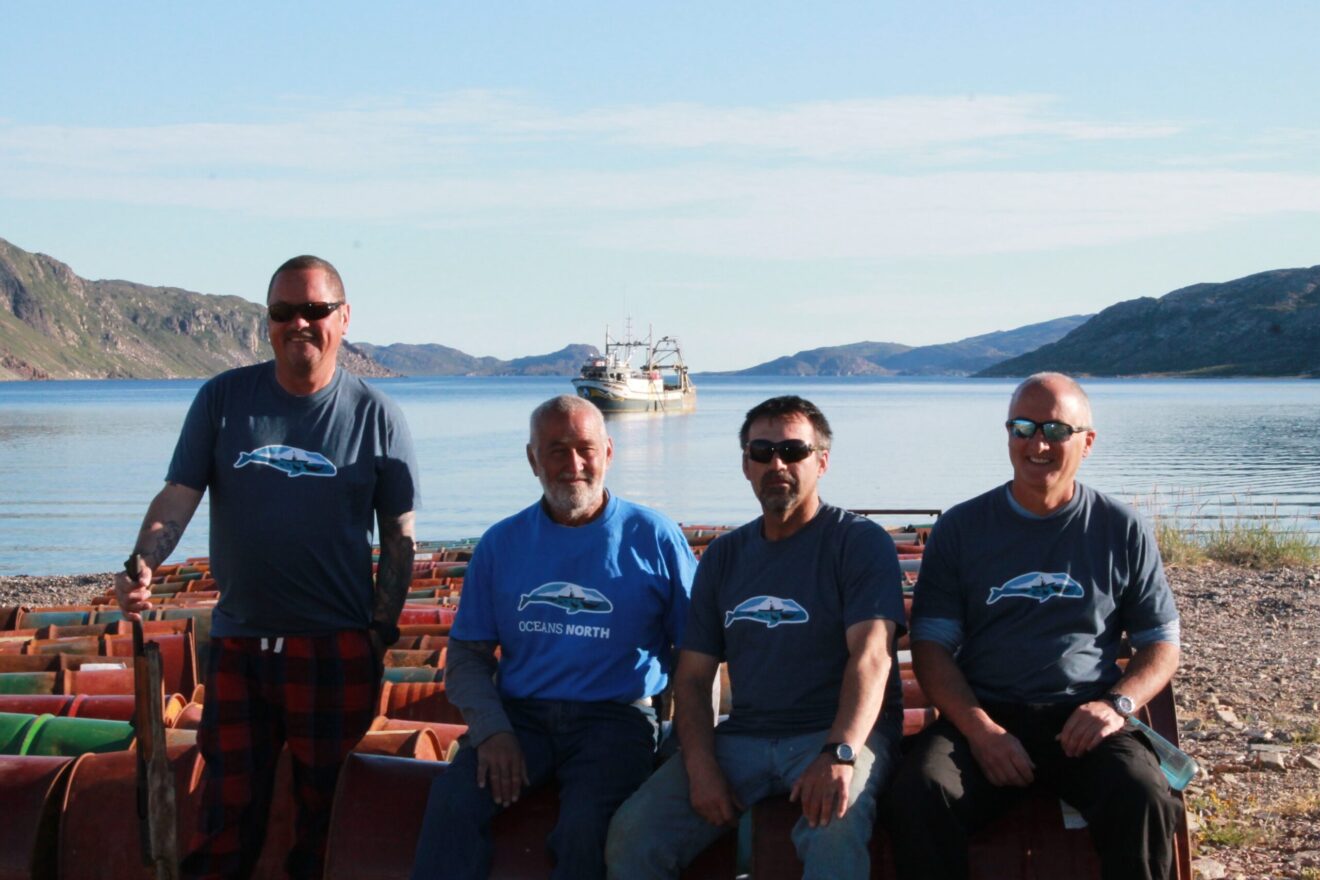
{"points": [[1122, 703]]}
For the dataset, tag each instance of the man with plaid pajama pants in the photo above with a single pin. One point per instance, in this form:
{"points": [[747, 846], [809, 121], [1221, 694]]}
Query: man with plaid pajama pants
{"points": [[301, 460]]}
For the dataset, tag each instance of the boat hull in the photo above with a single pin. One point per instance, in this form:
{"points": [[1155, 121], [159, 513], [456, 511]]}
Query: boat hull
{"points": [[614, 397]]}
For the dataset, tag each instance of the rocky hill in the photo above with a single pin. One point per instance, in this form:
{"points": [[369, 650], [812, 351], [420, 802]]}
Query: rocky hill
{"points": [[441, 360], [57, 325], [893, 359], [1266, 324]]}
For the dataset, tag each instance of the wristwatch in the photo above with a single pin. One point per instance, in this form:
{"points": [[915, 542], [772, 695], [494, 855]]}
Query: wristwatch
{"points": [[842, 753], [1122, 703]]}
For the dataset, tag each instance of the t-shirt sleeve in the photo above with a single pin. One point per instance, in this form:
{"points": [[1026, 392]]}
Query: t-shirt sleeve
{"points": [[397, 486], [1147, 600], [475, 620], [683, 567], [194, 453], [872, 580], [936, 595], [704, 633]]}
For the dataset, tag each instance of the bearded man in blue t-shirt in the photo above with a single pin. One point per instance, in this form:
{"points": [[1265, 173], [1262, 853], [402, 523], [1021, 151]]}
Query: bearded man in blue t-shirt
{"points": [[1024, 595], [584, 595], [805, 605]]}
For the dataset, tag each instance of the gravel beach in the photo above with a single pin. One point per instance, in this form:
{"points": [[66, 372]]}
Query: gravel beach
{"points": [[1248, 695]]}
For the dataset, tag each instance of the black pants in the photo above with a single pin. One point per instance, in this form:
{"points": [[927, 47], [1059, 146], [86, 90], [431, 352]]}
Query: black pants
{"points": [[940, 796]]}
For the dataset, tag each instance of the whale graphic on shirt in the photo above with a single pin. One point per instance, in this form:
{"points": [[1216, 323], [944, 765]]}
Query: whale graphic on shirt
{"points": [[294, 462], [570, 597], [1038, 585], [767, 610]]}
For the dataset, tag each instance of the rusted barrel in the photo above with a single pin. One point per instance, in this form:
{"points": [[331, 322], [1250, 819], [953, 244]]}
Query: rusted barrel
{"points": [[39, 617], [420, 745], [414, 614], [446, 734], [398, 674], [97, 680], [77, 645], [178, 659], [377, 816], [98, 834], [32, 790], [29, 682], [53, 735], [189, 718], [30, 663], [917, 720], [418, 701], [110, 707], [35, 704], [401, 657]]}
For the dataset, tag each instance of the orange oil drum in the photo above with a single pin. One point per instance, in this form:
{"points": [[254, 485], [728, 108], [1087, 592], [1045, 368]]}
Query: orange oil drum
{"points": [[32, 790]]}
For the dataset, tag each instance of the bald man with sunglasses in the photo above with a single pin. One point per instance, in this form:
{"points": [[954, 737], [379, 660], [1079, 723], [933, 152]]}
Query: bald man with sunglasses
{"points": [[302, 461], [1024, 597], [805, 605]]}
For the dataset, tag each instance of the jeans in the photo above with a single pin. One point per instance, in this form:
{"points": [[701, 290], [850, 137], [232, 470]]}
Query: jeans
{"points": [[598, 752], [656, 833], [940, 796]]}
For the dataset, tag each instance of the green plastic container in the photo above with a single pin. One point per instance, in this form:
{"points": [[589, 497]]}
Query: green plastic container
{"points": [[13, 728], [28, 682], [54, 736]]}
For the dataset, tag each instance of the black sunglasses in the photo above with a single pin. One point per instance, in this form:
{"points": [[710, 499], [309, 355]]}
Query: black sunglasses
{"points": [[1055, 432], [282, 312], [789, 451]]}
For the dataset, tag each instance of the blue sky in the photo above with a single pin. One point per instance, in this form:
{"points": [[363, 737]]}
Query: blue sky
{"points": [[756, 179]]}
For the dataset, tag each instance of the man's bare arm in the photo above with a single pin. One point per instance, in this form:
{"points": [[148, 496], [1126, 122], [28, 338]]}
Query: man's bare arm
{"points": [[470, 683], [167, 516], [694, 720], [1147, 673], [395, 570], [1000, 755], [823, 787]]}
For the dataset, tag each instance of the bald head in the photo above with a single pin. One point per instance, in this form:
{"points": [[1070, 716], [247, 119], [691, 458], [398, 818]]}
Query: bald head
{"points": [[1059, 386], [563, 407]]}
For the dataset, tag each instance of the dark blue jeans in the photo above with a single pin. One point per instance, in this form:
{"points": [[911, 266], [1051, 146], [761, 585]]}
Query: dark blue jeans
{"points": [[599, 753]]}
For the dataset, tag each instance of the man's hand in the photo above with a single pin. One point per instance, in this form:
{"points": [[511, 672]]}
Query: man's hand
{"points": [[711, 797], [1002, 758], [134, 596], [502, 768], [1087, 726], [823, 790]]}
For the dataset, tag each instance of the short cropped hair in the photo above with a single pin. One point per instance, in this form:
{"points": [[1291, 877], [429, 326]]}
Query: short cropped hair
{"points": [[563, 405], [304, 262], [784, 407], [1067, 381]]}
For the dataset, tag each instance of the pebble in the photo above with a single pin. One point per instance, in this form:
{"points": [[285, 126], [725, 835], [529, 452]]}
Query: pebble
{"points": [[1208, 869]]}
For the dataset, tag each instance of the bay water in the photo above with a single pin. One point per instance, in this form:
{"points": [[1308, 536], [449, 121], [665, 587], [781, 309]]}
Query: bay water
{"points": [[80, 460]]}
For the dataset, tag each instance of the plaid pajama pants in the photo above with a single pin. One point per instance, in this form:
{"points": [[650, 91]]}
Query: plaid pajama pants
{"points": [[315, 694]]}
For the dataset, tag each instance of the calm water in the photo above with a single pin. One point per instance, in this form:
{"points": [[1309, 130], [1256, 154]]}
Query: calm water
{"points": [[80, 460]]}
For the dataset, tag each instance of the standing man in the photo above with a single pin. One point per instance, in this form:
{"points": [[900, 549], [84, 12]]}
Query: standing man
{"points": [[584, 595], [299, 457], [1023, 598], [805, 604]]}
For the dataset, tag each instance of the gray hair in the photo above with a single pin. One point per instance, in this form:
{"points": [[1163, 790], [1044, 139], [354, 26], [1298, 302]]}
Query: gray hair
{"points": [[563, 405]]}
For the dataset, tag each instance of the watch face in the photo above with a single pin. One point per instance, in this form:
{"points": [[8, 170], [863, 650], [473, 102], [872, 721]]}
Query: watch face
{"points": [[1122, 703], [844, 752]]}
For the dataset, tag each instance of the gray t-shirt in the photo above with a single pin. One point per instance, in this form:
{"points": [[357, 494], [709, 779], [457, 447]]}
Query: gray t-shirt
{"points": [[1036, 608], [777, 611], [295, 484]]}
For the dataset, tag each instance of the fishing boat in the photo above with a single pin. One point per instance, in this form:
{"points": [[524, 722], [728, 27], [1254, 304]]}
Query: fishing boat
{"points": [[661, 384]]}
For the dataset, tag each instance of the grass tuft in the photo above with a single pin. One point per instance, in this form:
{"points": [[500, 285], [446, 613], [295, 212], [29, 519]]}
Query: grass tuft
{"points": [[1246, 539]]}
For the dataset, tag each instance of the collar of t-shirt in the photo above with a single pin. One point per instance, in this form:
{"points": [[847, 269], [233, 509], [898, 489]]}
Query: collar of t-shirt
{"points": [[1027, 514]]}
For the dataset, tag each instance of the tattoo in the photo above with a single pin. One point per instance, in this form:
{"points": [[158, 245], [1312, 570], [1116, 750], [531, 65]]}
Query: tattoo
{"points": [[166, 540], [395, 571]]}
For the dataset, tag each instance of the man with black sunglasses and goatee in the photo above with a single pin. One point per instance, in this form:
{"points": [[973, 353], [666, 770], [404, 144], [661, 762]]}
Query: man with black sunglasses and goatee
{"points": [[302, 461], [1024, 595], [805, 604]]}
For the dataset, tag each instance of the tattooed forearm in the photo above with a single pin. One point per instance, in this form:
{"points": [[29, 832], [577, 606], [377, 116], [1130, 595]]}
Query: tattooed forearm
{"points": [[162, 542], [395, 571]]}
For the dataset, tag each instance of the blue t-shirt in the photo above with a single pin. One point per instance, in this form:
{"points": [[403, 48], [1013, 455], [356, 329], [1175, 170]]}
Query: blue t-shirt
{"points": [[583, 613], [778, 612], [1035, 608], [295, 485]]}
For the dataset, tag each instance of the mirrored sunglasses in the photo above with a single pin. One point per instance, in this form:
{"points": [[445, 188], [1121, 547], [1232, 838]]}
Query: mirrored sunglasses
{"points": [[1055, 432], [282, 312], [789, 451]]}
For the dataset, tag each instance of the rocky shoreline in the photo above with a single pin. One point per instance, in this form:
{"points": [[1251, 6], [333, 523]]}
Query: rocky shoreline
{"points": [[1248, 695]]}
